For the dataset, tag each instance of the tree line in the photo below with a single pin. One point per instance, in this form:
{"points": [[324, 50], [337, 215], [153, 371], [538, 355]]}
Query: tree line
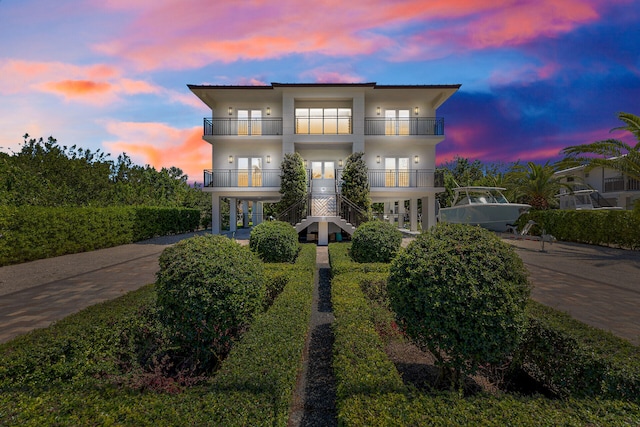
{"points": [[47, 174]]}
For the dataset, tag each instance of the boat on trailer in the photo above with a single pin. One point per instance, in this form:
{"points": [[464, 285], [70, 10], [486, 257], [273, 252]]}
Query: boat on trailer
{"points": [[483, 206]]}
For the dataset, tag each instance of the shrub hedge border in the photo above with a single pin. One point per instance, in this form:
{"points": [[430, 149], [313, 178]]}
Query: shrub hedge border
{"points": [[618, 228], [254, 386], [369, 392], [30, 233]]}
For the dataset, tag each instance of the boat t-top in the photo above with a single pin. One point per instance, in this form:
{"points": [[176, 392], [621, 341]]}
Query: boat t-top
{"points": [[483, 206]]}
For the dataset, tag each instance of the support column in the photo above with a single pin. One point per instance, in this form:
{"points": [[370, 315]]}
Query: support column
{"points": [[400, 213], [215, 214], [233, 214], [245, 213], [254, 212], [323, 233], [259, 209], [413, 212], [428, 212]]}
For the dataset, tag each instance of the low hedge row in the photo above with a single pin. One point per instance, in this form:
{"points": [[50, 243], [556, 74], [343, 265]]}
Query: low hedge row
{"points": [[341, 261], [67, 374], [574, 359], [597, 227], [30, 233], [370, 392]]}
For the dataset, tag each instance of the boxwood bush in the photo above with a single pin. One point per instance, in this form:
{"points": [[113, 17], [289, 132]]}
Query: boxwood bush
{"points": [[274, 241], [375, 241], [342, 262], [460, 292], [209, 288]]}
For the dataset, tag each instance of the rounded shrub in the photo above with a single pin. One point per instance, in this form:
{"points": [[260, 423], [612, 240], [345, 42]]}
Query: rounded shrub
{"points": [[274, 241], [460, 292], [375, 241], [209, 288]]}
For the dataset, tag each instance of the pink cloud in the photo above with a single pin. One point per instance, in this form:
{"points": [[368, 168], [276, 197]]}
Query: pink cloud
{"points": [[160, 145]]}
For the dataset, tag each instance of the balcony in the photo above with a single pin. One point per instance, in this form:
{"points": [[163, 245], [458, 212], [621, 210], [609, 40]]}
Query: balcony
{"points": [[404, 126], [241, 178], [621, 183], [243, 127], [401, 178]]}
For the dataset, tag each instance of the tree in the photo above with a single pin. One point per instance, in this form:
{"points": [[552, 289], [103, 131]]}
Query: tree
{"points": [[537, 185], [615, 154], [355, 182], [293, 182]]}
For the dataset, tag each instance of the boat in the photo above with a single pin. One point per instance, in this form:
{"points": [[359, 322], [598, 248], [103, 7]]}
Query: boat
{"points": [[483, 206]]}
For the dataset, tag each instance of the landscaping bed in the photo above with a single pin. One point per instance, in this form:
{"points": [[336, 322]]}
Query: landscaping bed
{"points": [[385, 380], [71, 373]]}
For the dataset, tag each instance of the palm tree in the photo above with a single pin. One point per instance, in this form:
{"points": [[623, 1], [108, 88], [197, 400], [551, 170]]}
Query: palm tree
{"points": [[615, 154], [537, 185]]}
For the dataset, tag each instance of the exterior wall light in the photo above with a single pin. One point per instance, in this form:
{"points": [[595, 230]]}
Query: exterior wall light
{"points": [[230, 110], [378, 111], [230, 159], [340, 163], [306, 164], [416, 110], [268, 159], [377, 159], [268, 111], [416, 159]]}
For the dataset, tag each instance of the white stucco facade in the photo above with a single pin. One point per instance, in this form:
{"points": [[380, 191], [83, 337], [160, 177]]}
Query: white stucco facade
{"points": [[252, 127]]}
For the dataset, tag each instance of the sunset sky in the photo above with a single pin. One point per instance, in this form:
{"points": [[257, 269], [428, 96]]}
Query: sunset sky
{"points": [[536, 75]]}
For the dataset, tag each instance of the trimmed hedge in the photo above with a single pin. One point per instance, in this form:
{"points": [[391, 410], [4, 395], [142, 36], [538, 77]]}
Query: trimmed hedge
{"points": [[341, 261], [209, 288], [375, 241], [598, 227], [67, 374], [574, 359], [369, 392], [274, 241], [30, 233]]}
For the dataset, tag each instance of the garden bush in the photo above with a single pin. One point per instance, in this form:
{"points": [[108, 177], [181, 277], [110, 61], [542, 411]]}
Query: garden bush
{"points": [[375, 241], [274, 241], [460, 292], [209, 288], [341, 261], [574, 359]]}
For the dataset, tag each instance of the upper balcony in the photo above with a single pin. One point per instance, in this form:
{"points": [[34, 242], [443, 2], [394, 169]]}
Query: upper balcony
{"points": [[621, 183], [243, 127], [403, 126], [342, 125]]}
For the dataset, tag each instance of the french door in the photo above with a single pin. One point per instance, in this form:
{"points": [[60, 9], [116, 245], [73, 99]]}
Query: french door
{"points": [[249, 172]]}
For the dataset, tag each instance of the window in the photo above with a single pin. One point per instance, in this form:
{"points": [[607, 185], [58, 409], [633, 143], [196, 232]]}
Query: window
{"points": [[249, 124], [396, 177], [319, 121], [396, 122], [249, 177]]}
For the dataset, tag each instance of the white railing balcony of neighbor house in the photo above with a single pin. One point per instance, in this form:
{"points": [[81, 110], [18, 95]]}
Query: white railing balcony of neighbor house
{"points": [[404, 126], [398, 178], [231, 126]]}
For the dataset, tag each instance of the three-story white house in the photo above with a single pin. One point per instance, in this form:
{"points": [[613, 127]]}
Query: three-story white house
{"points": [[251, 128]]}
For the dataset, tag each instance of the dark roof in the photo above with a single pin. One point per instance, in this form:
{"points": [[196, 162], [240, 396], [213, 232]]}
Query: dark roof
{"points": [[370, 84]]}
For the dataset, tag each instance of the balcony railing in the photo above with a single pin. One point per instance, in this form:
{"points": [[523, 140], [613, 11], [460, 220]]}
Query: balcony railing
{"points": [[243, 127], [404, 126], [238, 178], [401, 178], [621, 183], [341, 125]]}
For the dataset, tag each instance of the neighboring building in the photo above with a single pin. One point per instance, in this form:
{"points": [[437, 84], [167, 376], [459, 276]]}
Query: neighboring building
{"points": [[613, 188], [252, 127]]}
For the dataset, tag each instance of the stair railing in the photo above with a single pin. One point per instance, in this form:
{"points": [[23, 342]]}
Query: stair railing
{"points": [[297, 211]]}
